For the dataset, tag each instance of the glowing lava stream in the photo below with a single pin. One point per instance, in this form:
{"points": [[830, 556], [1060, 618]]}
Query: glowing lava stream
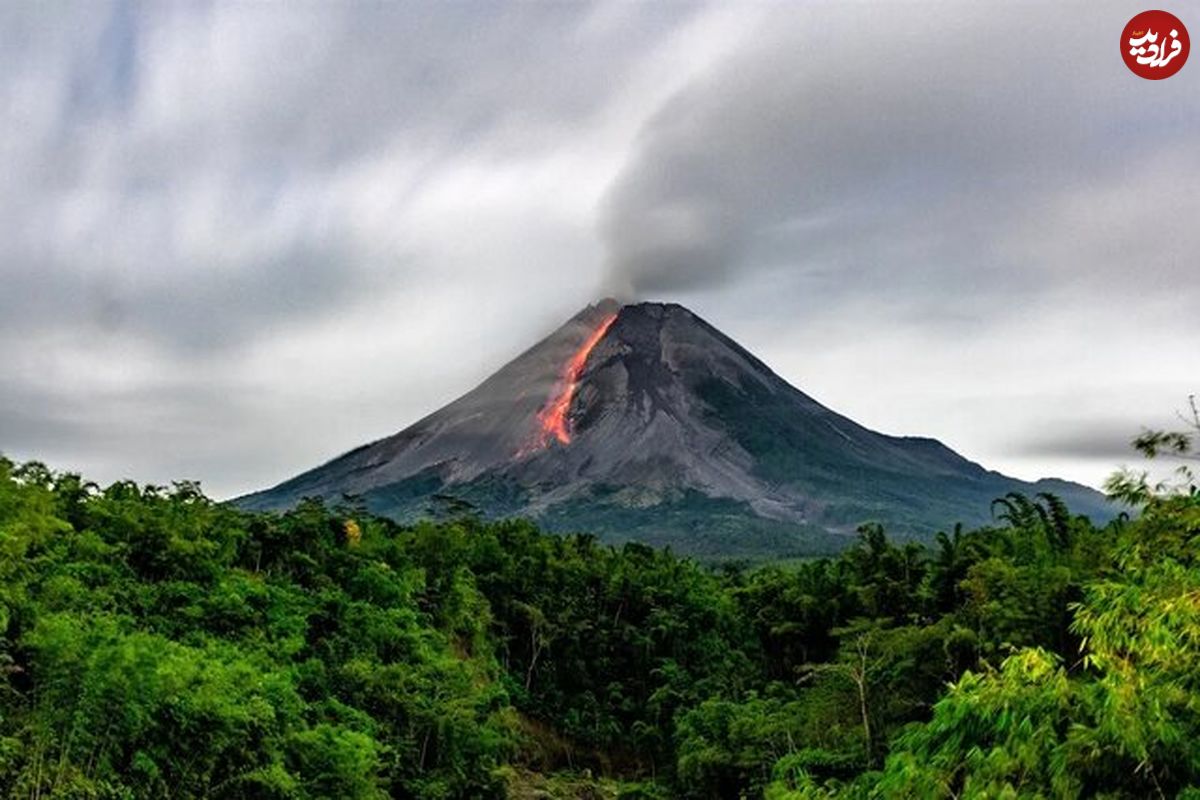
{"points": [[553, 415]]}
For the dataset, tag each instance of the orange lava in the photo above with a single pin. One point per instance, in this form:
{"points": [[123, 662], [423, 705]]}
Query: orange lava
{"points": [[553, 415]]}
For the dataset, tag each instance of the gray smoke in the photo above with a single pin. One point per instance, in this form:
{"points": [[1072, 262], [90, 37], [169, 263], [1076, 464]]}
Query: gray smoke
{"points": [[918, 137]]}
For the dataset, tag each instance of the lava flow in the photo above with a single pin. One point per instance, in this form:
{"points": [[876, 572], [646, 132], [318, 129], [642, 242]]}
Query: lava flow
{"points": [[553, 416]]}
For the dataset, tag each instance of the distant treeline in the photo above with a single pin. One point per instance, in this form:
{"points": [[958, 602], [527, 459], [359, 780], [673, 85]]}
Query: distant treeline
{"points": [[157, 644]]}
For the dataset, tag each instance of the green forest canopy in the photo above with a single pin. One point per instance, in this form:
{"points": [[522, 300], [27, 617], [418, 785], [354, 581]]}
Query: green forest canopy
{"points": [[159, 644]]}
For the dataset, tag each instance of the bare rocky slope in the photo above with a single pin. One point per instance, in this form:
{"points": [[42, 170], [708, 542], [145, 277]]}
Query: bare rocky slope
{"points": [[644, 422]]}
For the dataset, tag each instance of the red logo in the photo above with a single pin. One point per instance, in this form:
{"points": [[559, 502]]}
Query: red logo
{"points": [[1155, 45]]}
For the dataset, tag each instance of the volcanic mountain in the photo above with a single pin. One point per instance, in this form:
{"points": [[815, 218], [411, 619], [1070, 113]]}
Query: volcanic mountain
{"points": [[644, 422]]}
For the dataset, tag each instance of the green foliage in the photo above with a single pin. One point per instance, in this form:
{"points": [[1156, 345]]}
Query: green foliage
{"points": [[1115, 714], [1134, 487], [158, 644], [998, 734]]}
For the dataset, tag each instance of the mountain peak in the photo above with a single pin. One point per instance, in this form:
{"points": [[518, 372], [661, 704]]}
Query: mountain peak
{"points": [[644, 421]]}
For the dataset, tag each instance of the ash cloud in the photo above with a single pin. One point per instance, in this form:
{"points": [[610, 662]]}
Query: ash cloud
{"points": [[911, 148]]}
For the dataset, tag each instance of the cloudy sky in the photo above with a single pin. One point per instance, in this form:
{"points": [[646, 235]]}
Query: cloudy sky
{"points": [[237, 239]]}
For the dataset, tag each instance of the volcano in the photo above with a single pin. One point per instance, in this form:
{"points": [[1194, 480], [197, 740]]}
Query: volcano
{"points": [[643, 422]]}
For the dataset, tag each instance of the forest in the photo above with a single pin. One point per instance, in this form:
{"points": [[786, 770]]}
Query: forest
{"points": [[159, 644]]}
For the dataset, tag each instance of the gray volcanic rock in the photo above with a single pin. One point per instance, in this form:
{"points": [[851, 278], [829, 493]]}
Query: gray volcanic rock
{"points": [[675, 435]]}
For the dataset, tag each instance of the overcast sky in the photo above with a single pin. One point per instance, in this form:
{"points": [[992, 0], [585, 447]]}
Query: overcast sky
{"points": [[239, 239]]}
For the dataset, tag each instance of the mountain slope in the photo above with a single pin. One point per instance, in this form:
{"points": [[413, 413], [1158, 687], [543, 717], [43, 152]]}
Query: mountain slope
{"points": [[644, 422]]}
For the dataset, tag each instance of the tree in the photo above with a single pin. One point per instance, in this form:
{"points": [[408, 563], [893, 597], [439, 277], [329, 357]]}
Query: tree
{"points": [[1134, 487]]}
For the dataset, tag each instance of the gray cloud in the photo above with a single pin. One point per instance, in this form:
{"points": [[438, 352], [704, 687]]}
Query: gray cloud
{"points": [[1107, 441], [182, 167], [918, 149]]}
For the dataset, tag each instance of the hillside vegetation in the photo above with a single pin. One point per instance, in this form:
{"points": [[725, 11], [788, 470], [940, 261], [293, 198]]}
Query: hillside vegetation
{"points": [[158, 644]]}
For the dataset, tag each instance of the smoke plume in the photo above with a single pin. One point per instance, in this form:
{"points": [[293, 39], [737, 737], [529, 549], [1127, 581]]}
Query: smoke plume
{"points": [[913, 133]]}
